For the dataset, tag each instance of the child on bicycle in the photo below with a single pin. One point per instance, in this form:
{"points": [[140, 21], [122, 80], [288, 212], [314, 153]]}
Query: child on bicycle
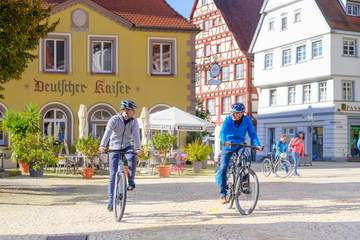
{"points": [[280, 146]]}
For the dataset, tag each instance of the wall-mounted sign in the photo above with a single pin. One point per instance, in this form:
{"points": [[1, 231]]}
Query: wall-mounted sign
{"points": [[214, 70], [67, 87]]}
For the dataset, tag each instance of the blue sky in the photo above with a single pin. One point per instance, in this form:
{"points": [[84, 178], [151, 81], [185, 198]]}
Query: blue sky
{"points": [[182, 6]]}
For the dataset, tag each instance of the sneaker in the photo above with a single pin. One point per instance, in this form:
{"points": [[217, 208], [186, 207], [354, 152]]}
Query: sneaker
{"points": [[110, 207], [131, 188]]}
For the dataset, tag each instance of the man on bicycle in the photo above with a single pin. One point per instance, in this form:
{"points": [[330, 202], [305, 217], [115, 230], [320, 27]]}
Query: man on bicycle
{"points": [[233, 131], [121, 130]]}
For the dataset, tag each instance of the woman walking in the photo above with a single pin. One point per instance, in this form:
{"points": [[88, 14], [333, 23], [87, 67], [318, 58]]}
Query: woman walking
{"points": [[296, 147]]}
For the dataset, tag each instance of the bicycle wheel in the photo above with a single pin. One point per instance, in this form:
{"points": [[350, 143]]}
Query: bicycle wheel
{"points": [[266, 167], [230, 189], [282, 168], [247, 191], [120, 192]]}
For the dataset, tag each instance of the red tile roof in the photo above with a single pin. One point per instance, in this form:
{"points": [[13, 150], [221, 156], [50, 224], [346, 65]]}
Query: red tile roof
{"points": [[142, 13], [336, 16], [241, 17]]}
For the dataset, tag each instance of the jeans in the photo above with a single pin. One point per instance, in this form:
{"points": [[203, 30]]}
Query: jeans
{"points": [[220, 177], [114, 157], [296, 158]]}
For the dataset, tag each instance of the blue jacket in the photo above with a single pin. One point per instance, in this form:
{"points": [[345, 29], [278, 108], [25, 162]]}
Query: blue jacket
{"points": [[280, 147], [230, 132], [358, 144]]}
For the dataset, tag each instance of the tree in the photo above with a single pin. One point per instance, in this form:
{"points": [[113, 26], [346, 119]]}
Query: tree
{"points": [[22, 24]]}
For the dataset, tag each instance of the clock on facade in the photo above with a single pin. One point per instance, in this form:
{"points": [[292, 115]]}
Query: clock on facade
{"points": [[214, 70], [79, 18]]}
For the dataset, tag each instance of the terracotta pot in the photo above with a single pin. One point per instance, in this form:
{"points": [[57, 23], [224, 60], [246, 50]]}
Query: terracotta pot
{"points": [[164, 171], [87, 173], [24, 168]]}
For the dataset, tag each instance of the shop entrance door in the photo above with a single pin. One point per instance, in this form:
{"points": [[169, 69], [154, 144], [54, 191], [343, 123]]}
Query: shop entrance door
{"points": [[272, 138], [317, 143], [354, 136]]}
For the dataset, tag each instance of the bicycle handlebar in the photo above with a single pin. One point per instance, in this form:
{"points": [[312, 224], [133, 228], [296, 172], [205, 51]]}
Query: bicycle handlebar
{"points": [[245, 146]]}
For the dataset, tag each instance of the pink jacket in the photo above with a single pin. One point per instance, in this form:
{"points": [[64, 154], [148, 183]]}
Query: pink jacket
{"points": [[297, 145]]}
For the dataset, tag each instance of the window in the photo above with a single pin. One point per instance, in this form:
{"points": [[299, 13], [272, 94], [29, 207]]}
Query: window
{"points": [[353, 9], [102, 56], [307, 93], [289, 132], [239, 71], [217, 21], [322, 91], [272, 25], [268, 60], [207, 50], [211, 106], [206, 26], [162, 57], [286, 59], [350, 47], [226, 105], [272, 97], [219, 48], [54, 124], [204, 2], [55, 54], [291, 95], [225, 73], [316, 49], [240, 99], [347, 91], [297, 17], [208, 76], [99, 120], [2, 137], [197, 78], [300, 54], [283, 23]]}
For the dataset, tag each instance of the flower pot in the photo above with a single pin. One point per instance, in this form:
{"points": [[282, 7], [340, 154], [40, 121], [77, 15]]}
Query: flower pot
{"points": [[164, 171], [24, 168], [87, 173], [196, 166], [37, 173]]}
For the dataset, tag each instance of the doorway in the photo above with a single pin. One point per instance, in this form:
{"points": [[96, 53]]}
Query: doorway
{"points": [[317, 143]]}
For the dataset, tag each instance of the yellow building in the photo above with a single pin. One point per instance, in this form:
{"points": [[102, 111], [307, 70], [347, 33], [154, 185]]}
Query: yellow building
{"points": [[101, 52]]}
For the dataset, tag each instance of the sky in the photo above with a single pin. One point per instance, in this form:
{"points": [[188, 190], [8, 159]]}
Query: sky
{"points": [[182, 6]]}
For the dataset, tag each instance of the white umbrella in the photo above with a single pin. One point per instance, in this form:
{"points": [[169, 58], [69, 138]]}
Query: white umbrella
{"points": [[145, 126], [217, 142], [83, 123]]}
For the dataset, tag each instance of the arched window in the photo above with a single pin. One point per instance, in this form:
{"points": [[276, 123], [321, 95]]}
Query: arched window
{"points": [[99, 120], [2, 136], [55, 124]]}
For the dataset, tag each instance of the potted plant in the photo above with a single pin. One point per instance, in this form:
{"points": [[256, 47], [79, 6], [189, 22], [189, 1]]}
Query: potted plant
{"points": [[197, 152], [163, 144], [88, 147]]}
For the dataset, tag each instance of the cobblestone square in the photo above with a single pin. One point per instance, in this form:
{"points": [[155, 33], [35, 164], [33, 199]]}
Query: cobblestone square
{"points": [[324, 203]]}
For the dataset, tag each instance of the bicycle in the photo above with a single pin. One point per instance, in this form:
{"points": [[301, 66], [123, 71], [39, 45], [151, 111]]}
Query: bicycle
{"points": [[120, 189], [281, 167], [242, 182]]}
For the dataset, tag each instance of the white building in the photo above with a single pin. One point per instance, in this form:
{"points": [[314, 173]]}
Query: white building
{"points": [[307, 69]]}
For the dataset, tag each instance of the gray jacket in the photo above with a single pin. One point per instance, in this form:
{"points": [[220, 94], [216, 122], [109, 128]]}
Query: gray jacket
{"points": [[121, 135]]}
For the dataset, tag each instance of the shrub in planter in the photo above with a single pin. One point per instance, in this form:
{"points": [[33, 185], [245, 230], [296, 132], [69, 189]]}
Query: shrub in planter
{"points": [[197, 152], [89, 148], [163, 143]]}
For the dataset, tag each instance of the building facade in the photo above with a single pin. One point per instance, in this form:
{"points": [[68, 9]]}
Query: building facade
{"points": [[103, 52], [306, 69], [223, 66]]}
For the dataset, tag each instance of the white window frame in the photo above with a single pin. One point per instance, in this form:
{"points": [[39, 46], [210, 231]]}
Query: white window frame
{"points": [[55, 120], [206, 26], [301, 54], [240, 99], [173, 57], [268, 61], [297, 16], [271, 25], [207, 76], [239, 71], [98, 122], [284, 24], [273, 97], [307, 93], [228, 106], [197, 78], [322, 91], [67, 54], [350, 10], [286, 57], [213, 101], [102, 42], [316, 47], [223, 73], [207, 50], [291, 95], [347, 45], [347, 88]]}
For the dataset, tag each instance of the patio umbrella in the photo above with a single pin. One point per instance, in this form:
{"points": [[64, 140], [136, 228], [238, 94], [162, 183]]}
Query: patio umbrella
{"points": [[83, 123], [145, 126], [217, 149]]}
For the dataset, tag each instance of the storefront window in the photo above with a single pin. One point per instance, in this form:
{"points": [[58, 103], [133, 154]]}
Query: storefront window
{"points": [[354, 137], [54, 124], [99, 120]]}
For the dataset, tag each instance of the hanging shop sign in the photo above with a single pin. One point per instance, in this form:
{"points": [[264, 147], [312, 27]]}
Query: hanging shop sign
{"points": [[70, 88]]}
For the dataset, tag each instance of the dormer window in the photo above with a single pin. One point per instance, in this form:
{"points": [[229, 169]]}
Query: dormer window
{"points": [[353, 9]]}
